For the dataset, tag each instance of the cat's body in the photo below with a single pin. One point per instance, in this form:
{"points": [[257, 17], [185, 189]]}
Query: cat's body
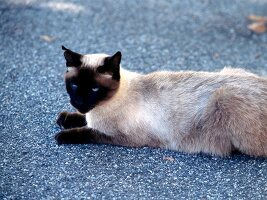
{"points": [[214, 113]]}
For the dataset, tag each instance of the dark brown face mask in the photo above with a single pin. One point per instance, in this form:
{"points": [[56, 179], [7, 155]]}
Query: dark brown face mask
{"points": [[85, 86]]}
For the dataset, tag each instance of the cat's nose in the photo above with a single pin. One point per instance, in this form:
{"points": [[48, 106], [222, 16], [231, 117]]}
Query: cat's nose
{"points": [[78, 101]]}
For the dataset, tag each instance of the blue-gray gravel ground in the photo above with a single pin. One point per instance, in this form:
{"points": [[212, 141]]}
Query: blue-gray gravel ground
{"points": [[152, 35]]}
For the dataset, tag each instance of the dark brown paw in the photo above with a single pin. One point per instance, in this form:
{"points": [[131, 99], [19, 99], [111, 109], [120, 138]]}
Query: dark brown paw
{"points": [[59, 137], [65, 137], [62, 119], [73, 136], [67, 120]]}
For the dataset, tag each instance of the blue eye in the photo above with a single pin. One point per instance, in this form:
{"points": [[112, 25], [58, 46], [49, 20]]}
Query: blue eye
{"points": [[95, 89], [73, 86]]}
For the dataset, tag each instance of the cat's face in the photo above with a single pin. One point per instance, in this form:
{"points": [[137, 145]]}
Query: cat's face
{"points": [[91, 79]]}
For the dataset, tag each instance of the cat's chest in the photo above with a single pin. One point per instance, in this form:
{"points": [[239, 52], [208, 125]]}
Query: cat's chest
{"points": [[100, 123]]}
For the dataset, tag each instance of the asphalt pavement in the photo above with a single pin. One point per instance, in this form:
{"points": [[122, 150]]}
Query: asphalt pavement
{"points": [[152, 35]]}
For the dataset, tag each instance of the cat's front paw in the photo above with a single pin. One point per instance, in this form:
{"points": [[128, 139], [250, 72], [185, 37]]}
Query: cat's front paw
{"points": [[62, 119], [59, 138], [73, 136], [67, 120], [70, 136], [62, 138]]}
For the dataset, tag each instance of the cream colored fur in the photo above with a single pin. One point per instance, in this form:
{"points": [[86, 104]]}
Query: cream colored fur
{"points": [[210, 112]]}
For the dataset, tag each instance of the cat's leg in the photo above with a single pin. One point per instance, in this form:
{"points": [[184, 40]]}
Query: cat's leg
{"points": [[69, 120], [208, 139], [236, 121], [85, 135]]}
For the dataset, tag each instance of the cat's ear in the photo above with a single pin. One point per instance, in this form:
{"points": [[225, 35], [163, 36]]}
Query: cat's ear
{"points": [[116, 59], [112, 66], [73, 59]]}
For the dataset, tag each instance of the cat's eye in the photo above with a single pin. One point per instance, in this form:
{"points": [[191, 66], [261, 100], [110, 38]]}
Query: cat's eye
{"points": [[73, 86], [95, 89]]}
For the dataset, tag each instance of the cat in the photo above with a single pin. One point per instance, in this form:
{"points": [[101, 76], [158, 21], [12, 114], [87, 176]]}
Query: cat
{"points": [[194, 112]]}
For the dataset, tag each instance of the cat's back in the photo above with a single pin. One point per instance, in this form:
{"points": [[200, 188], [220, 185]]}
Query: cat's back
{"points": [[192, 83], [186, 95]]}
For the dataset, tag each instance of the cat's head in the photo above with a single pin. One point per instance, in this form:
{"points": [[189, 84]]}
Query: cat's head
{"points": [[91, 79]]}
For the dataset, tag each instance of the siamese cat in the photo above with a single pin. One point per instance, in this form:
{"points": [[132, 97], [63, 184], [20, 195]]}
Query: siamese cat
{"points": [[208, 112]]}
